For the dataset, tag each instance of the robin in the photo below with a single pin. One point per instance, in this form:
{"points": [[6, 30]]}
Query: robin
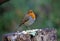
{"points": [[29, 18]]}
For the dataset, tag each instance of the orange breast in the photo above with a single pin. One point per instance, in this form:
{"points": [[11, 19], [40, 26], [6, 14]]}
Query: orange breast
{"points": [[32, 15]]}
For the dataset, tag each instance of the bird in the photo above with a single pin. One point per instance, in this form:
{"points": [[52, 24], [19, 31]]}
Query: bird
{"points": [[28, 19]]}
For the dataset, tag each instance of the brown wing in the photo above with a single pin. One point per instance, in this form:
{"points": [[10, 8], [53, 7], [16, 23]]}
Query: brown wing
{"points": [[23, 21]]}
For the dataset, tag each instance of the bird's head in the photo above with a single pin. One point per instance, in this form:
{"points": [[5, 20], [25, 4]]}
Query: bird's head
{"points": [[30, 11]]}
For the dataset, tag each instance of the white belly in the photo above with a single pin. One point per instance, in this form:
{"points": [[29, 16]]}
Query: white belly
{"points": [[30, 21]]}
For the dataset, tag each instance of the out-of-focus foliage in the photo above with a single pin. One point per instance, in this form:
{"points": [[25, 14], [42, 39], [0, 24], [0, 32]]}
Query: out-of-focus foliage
{"points": [[48, 12]]}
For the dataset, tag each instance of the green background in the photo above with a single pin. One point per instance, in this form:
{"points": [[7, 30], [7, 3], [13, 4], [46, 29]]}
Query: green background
{"points": [[16, 9]]}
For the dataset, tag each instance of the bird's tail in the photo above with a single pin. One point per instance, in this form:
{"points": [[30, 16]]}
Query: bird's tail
{"points": [[18, 27]]}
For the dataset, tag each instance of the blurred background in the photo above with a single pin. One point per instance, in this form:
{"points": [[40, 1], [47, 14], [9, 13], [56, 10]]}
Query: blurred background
{"points": [[13, 11]]}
